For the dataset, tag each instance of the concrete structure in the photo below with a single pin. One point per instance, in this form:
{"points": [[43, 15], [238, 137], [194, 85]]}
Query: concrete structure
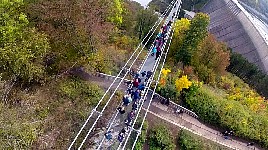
{"points": [[189, 14], [231, 23]]}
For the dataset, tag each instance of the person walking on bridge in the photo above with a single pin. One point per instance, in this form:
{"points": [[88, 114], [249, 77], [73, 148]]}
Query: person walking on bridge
{"points": [[121, 137], [136, 95], [153, 51], [158, 53], [156, 42], [149, 74], [121, 110], [136, 83], [143, 74]]}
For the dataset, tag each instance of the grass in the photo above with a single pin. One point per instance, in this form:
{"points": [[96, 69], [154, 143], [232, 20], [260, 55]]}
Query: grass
{"points": [[180, 136], [188, 140], [48, 116]]}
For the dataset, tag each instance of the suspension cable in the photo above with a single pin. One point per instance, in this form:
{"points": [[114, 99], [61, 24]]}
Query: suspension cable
{"points": [[153, 92], [141, 66], [108, 101], [100, 114], [155, 68], [95, 108]]}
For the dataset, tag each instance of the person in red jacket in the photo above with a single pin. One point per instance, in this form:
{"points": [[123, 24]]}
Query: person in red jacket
{"points": [[136, 83]]}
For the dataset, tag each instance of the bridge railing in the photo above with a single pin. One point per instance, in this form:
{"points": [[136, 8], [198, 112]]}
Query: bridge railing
{"points": [[172, 104], [108, 77]]}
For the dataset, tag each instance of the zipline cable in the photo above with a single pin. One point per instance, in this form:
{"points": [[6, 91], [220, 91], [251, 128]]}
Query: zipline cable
{"points": [[148, 54], [145, 96], [100, 114], [153, 91], [95, 108]]}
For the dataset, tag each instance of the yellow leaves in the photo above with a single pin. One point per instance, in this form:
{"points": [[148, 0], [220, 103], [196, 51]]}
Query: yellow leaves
{"points": [[165, 72], [197, 83], [116, 10], [182, 83], [244, 121], [182, 25], [228, 106], [248, 98]]}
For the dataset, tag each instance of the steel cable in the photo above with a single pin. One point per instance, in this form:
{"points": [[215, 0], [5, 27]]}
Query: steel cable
{"points": [[148, 54], [100, 114], [155, 67], [94, 110]]}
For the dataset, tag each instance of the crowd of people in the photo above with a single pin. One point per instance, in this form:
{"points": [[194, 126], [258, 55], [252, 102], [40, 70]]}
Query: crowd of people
{"points": [[160, 40], [134, 93], [136, 87]]}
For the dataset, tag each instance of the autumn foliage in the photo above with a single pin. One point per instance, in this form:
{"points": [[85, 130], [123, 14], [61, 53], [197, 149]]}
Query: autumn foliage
{"points": [[211, 59], [183, 83], [232, 104]]}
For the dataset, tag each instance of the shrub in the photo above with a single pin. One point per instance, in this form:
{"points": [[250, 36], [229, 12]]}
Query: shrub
{"points": [[78, 90], [142, 137], [160, 139], [187, 142], [239, 91], [249, 73], [205, 104], [214, 108], [205, 74], [243, 121], [15, 133]]}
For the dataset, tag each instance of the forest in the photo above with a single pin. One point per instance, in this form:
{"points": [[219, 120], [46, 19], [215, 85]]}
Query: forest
{"points": [[43, 42]]}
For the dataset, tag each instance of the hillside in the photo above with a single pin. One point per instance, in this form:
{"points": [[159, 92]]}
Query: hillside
{"points": [[50, 51], [42, 42]]}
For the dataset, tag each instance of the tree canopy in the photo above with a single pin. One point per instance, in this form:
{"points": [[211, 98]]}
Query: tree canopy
{"points": [[196, 33], [160, 138], [22, 48]]}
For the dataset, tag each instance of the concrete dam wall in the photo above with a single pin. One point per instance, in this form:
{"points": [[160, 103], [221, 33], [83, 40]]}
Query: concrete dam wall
{"points": [[230, 24]]}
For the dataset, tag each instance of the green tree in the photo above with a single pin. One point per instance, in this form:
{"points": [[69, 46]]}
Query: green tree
{"points": [[188, 140], [204, 103], [145, 20], [181, 27], [196, 33], [160, 139], [210, 59], [130, 14], [116, 11], [249, 73], [216, 109], [22, 48]]}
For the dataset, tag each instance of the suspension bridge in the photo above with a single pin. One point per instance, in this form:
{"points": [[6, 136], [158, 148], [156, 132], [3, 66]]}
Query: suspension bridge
{"points": [[149, 102]]}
